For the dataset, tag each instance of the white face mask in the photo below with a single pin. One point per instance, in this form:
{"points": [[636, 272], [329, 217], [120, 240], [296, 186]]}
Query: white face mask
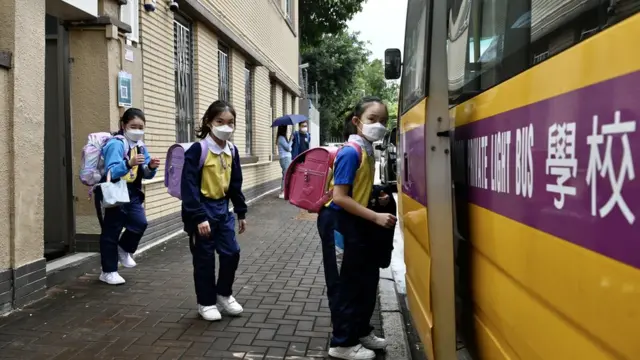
{"points": [[304, 129], [373, 132], [223, 132], [134, 135]]}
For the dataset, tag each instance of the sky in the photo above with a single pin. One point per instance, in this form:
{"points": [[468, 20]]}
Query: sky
{"points": [[381, 22]]}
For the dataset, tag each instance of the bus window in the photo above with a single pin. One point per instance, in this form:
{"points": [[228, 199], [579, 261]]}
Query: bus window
{"points": [[490, 41], [619, 10], [414, 72]]}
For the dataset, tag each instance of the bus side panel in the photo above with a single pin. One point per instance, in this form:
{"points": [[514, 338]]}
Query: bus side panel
{"points": [[558, 280], [413, 216], [508, 309]]}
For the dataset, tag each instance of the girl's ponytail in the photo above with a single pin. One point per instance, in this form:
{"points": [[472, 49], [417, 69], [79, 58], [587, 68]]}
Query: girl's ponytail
{"points": [[349, 128]]}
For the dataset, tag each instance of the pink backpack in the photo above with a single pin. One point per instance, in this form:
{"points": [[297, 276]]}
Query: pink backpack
{"points": [[175, 163], [306, 183]]}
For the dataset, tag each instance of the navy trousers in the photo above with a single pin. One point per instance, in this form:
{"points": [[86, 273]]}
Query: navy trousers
{"points": [[223, 241], [130, 217], [352, 288]]}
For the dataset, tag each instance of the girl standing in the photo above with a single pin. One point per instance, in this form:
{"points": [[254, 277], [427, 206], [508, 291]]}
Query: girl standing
{"points": [[205, 194], [284, 149], [352, 288], [127, 159]]}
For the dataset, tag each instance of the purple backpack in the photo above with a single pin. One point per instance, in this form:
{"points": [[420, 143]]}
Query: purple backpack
{"points": [[175, 163]]}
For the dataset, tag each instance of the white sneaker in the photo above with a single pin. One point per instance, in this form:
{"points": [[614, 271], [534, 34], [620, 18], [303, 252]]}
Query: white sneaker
{"points": [[281, 196], [373, 342], [125, 258], [112, 278], [357, 352], [209, 313], [229, 305]]}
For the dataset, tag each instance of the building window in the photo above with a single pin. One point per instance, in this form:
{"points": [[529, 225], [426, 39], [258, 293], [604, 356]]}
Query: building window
{"points": [[284, 102], [248, 96], [274, 148], [223, 73], [293, 104], [129, 14], [288, 9], [183, 70]]}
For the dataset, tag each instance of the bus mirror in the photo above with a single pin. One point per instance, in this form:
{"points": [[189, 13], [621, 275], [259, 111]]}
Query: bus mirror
{"points": [[392, 64]]}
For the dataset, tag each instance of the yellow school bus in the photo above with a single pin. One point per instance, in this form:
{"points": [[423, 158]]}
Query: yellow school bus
{"points": [[517, 157]]}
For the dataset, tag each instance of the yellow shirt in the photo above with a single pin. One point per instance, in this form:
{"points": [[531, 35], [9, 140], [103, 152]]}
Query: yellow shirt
{"points": [[362, 183], [132, 175], [216, 171]]}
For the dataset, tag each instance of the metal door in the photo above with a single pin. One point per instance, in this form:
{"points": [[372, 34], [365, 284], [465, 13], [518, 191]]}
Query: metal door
{"points": [[58, 203], [183, 65]]}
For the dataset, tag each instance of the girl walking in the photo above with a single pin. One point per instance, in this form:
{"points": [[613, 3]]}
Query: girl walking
{"points": [[284, 149], [206, 192], [126, 159], [352, 288]]}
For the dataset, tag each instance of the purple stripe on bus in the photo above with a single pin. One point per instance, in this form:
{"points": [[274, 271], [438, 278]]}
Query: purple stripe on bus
{"points": [[608, 232], [415, 185]]}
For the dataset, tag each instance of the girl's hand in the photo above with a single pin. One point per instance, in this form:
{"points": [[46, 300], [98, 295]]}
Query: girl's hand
{"points": [[136, 160], [203, 229], [154, 163], [242, 226], [386, 220], [383, 199]]}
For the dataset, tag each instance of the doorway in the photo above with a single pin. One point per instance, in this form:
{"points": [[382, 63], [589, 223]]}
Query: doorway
{"points": [[58, 189]]}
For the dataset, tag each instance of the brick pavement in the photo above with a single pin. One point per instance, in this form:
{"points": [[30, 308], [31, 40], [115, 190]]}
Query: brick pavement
{"points": [[280, 282]]}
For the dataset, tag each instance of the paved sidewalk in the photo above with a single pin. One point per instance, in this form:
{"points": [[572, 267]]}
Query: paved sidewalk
{"points": [[280, 282]]}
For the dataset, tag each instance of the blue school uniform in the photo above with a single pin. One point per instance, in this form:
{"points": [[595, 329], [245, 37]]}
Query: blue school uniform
{"points": [[300, 143], [352, 288], [206, 194], [131, 216]]}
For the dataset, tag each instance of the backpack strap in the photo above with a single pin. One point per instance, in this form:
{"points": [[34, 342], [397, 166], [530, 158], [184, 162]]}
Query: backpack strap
{"points": [[203, 153], [356, 146], [205, 149], [125, 144]]}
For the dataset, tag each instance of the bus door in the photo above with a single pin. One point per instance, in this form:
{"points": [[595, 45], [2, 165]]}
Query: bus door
{"points": [[425, 177]]}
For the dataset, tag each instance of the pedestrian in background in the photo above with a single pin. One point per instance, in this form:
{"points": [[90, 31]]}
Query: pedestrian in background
{"points": [[284, 149], [301, 140]]}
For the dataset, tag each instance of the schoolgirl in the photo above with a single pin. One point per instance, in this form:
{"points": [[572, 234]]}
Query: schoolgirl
{"points": [[352, 288], [126, 159], [205, 194]]}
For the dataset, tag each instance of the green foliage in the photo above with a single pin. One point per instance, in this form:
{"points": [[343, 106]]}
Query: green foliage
{"points": [[333, 63], [320, 17], [338, 62]]}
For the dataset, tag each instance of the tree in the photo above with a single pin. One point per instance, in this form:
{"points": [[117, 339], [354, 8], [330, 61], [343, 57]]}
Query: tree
{"points": [[373, 83], [338, 63], [320, 17], [334, 62]]}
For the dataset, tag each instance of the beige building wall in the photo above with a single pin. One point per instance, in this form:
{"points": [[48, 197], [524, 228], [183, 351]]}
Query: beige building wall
{"points": [[156, 37], [262, 24], [264, 29], [206, 69], [22, 33], [236, 70]]}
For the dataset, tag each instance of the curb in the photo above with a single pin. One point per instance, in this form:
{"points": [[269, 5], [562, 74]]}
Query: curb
{"points": [[392, 318]]}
